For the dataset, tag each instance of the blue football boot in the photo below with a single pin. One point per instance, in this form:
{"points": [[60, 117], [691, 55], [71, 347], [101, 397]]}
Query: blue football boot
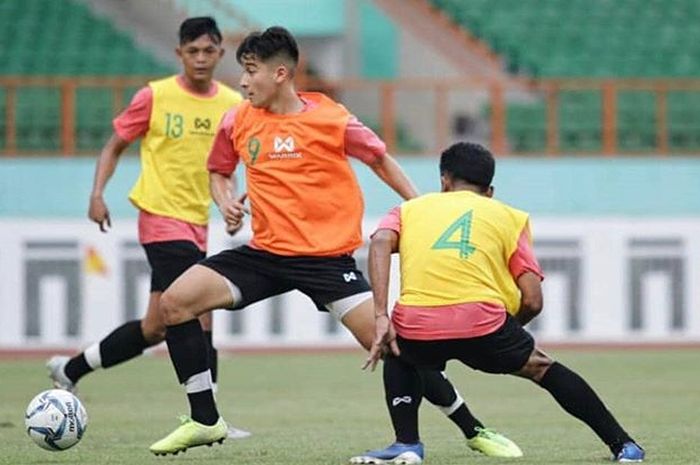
{"points": [[396, 454], [630, 452]]}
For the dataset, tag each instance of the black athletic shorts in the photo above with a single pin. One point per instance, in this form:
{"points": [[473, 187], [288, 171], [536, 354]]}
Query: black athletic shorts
{"points": [[259, 275], [169, 260], [504, 351]]}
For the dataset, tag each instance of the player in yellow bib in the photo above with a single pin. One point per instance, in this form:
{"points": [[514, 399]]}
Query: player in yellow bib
{"points": [[469, 283], [176, 119]]}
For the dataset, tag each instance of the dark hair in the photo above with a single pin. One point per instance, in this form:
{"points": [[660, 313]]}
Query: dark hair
{"points": [[274, 41], [468, 162], [192, 28]]}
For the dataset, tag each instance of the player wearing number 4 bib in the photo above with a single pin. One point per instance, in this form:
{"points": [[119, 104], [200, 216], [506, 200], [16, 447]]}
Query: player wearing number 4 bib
{"points": [[176, 119], [463, 273]]}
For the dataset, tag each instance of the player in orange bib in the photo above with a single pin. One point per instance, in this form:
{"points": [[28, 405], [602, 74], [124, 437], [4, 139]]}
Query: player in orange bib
{"points": [[306, 209], [469, 283], [176, 120]]}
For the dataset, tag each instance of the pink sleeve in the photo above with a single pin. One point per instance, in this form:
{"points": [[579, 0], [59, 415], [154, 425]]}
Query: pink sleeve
{"points": [[223, 157], [362, 143], [134, 121], [392, 221], [523, 259]]}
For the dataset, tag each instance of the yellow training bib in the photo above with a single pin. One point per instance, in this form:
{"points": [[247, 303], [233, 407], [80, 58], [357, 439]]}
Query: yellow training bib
{"points": [[455, 248], [174, 181]]}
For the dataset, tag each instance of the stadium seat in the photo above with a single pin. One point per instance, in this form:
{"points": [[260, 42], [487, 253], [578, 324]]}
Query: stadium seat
{"points": [[34, 27], [593, 38]]}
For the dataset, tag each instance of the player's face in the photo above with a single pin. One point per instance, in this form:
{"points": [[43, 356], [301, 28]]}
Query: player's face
{"points": [[199, 58], [260, 81]]}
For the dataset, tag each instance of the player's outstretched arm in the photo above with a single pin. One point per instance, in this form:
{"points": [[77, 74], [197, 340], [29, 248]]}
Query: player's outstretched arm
{"points": [[106, 164], [384, 243], [394, 176], [531, 297]]}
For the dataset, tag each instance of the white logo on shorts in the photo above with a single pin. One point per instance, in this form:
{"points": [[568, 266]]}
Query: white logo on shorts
{"points": [[349, 276], [401, 400]]}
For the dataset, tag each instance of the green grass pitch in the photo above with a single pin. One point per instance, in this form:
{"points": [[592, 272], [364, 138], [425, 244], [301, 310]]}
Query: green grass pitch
{"points": [[321, 409]]}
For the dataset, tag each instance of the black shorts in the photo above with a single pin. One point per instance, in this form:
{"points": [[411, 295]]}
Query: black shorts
{"points": [[169, 260], [504, 351], [259, 275]]}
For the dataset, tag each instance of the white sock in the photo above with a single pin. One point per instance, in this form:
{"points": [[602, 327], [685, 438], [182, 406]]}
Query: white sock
{"points": [[452, 408], [199, 382], [93, 357]]}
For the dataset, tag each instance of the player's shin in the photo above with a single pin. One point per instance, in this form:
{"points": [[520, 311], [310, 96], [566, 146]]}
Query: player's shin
{"points": [[213, 355], [188, 352], [122, 344], [439, 391], [403, 389], [577, 397]]}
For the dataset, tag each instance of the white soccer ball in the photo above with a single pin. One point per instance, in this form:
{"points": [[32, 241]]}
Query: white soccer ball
{"points": [[55, 420]]}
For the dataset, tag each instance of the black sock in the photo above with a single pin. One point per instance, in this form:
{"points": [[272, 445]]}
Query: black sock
{"points": [[188, 352], [205, 407], [576, 397], [122, 344], [403, 390], [77, 367], [463, 418], [213, 356], [438, 390]]}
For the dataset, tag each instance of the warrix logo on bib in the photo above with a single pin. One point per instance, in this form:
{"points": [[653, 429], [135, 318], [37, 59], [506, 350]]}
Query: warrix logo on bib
{"points": [[284, 145], [284, 148]]}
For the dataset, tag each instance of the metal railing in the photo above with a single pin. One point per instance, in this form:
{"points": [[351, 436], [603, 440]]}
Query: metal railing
{"points": [[67, 87], [386, 99]]}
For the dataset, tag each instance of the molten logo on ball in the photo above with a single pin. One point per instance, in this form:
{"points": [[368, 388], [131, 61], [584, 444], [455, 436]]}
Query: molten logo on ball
{"points": [[55, 420]]}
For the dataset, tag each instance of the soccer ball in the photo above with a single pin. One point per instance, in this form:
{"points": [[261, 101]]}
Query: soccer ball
{"points": [[55, 420]]}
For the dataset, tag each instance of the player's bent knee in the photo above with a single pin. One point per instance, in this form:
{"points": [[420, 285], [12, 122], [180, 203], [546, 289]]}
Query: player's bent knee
{"points": [[537, 366], [153, 334], [361, 328], [172, 309], [357, 314], [153, 326]]}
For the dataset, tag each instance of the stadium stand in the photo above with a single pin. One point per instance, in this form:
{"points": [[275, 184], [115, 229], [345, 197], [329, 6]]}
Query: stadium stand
{"points": [[569, 39], [593, 39], [587, 38], [63, 38]]}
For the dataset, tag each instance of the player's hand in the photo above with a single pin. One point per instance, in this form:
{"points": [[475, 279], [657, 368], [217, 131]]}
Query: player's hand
{"points": [[99, 213], [233, 212], [231, 229], [384, 341]]}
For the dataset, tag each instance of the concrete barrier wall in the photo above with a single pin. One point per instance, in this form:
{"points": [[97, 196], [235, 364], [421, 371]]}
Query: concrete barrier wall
{"points": [[619, 241]]}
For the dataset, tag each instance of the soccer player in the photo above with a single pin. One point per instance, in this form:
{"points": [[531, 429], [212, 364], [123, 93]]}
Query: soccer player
{"points": [[462, 272], [176, 119], [306, 208]]}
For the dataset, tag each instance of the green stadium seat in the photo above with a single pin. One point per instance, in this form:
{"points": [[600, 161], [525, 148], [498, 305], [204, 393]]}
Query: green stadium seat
{"points": [[3, 123], [93, 118], [35, 27], [636, 120], [593, 38], [684, 120], [38, 119]]}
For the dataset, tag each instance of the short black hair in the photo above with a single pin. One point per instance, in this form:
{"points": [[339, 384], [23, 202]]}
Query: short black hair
{"points": [[469, 162], [274, 41], [192, 28]]}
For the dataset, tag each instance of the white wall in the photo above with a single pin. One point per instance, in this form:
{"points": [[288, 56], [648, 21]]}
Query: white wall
{"points": [[608, 280]]}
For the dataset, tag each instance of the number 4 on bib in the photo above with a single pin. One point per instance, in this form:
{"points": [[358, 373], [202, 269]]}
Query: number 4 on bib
{"points": [[464, 226]]}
